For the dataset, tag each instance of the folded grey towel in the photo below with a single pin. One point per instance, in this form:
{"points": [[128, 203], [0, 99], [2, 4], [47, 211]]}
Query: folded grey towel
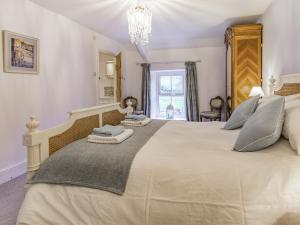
{"points": [[135, 117], [109, 130]]}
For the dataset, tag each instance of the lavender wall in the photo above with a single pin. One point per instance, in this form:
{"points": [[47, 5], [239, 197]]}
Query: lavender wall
{"points": [[66, 80], [211, 70], [281, 53]]}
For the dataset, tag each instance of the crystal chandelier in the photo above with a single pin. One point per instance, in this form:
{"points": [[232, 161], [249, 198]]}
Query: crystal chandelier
{"points": [[139, 22]]}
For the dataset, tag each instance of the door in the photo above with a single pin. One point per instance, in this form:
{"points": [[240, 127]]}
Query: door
{"points": [[107, 78], [119, 78], [247, 53]]}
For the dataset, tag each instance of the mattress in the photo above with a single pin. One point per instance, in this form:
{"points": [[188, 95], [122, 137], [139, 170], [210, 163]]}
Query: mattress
{"points": [[186, 174]]}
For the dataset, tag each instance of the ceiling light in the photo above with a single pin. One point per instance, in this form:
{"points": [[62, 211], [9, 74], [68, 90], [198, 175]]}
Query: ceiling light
{"points": [[139, 22]]}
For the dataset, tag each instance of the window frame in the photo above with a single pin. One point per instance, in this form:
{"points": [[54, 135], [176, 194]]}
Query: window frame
{"points": [[172, 94], [158, 92]]}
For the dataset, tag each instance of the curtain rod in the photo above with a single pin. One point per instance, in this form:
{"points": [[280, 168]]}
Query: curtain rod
{"points": [[169, 62]]}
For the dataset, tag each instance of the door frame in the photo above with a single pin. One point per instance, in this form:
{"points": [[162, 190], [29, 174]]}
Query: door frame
{"points": [[97, 73]]}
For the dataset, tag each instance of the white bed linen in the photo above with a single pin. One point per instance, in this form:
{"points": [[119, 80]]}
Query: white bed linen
{"points": [[186, 174]]}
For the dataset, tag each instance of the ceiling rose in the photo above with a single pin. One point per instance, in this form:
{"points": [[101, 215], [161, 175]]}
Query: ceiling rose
{"points": [[139, 22]]}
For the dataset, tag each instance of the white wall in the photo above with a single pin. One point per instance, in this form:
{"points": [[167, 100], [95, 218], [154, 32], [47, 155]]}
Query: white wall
{"points": [[281, 51], [66, 80], [211, 71]]}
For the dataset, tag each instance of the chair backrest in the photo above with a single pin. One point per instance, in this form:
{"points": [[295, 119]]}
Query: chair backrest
{"points": [[133, 100], [228, 102], [216, 104]]}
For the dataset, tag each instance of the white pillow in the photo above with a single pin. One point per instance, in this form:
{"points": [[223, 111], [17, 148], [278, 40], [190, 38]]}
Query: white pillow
{"points": [[291, 127], [267, 99], [272, 97], [289, 108], [292, 97]]}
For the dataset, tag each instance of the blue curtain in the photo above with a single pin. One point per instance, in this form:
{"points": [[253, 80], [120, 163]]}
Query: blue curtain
{"points": [[192, 102], [146, 102]]}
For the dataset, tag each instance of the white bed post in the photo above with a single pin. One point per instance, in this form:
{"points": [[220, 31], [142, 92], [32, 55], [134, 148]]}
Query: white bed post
{"points": [[272, 85], [33, 151]]}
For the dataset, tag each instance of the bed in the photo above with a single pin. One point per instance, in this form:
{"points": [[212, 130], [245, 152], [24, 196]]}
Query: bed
{"points": [[185, 174]]}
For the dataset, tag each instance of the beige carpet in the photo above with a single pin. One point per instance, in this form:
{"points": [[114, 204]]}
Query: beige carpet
{"points": [[11, 197]]}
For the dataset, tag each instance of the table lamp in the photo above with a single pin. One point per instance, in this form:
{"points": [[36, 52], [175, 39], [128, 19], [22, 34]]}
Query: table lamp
{"points": [[257, 90]]}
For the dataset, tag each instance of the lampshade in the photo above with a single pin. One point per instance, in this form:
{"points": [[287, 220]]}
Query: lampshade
{"points": [[257, 90]]}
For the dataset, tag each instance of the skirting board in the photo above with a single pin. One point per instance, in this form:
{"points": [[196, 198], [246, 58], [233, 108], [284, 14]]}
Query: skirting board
{"points": [[12, 172]]}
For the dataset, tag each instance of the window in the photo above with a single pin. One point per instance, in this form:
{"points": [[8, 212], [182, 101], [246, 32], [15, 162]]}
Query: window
{"points": [[168, 97]]}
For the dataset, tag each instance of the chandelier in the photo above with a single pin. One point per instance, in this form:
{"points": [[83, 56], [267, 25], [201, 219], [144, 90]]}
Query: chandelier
{"points": [[139, 22]]}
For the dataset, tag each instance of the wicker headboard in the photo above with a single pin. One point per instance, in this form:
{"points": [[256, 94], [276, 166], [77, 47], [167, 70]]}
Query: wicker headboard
{"points": [[289, 89], [287, 85], [80, 129], [112, 118], [41, 144]]}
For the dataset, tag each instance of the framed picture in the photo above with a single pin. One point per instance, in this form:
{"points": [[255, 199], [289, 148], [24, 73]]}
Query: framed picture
{"points": [[20, 53]]}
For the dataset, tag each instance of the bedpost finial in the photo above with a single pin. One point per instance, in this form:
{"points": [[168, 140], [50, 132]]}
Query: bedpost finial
{"points": [[272, 84], [33, 124], [272, 80]]}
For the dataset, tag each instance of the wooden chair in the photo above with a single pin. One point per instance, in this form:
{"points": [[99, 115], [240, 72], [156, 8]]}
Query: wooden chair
{"points": [[133, 100], [215, 113], [228, 105], [134, 105]]}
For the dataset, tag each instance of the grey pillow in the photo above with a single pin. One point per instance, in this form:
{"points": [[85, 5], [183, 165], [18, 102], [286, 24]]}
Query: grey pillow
{"points": [[263, 128], [242, 113]]}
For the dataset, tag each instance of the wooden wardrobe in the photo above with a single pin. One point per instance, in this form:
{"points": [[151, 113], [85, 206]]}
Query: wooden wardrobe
{"points": [[244, 61]]}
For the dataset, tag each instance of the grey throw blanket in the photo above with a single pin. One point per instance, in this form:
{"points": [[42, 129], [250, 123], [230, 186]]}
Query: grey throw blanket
{"points": [[101, 166]]}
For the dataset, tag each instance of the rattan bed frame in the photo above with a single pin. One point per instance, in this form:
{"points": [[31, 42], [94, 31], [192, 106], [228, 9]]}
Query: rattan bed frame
{"points": [[41, 144]]}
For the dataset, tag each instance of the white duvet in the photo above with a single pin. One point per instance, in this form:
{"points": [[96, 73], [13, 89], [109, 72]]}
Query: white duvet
{"points": [[186, 174]]}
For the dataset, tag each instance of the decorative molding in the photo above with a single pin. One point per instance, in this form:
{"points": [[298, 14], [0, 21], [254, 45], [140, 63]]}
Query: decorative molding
{"points": [[33, 124], [228, 37]]}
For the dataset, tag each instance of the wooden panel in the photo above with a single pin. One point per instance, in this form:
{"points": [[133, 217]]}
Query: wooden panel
{"points": [[246, 61], [289, 89], [80, 129], [247, 30], [112, 118], [119, 78]]}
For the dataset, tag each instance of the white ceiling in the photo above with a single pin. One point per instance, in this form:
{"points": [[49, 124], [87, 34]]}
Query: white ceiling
{"points": [[176, 23]]}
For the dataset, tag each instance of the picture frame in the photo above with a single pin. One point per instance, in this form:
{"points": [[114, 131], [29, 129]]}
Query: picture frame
{"points": [[20, 53]]}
